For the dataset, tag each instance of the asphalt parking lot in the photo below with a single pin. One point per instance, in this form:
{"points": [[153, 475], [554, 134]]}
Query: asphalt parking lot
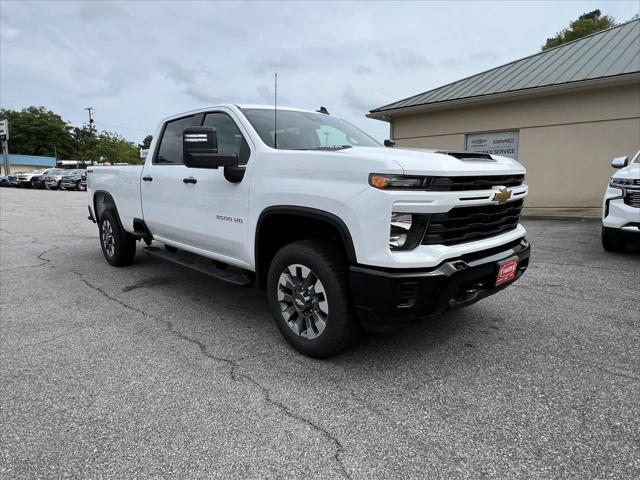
{"points": [[156, 371]]}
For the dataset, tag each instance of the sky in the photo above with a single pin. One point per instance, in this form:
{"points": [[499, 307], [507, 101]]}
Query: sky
{"points": [[137, 62]]}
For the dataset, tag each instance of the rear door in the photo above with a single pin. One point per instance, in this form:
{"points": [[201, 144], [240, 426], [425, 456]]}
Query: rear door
{"points": [[161, 184]]}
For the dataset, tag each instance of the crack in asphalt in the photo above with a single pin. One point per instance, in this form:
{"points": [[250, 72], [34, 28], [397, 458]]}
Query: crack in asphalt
{"points": [[234, 366], [40, 256], [339, 448], [36, 344]]}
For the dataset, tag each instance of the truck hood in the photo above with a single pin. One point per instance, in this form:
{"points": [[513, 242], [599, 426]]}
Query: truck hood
{"points": [[430, 162], [631, 172]]}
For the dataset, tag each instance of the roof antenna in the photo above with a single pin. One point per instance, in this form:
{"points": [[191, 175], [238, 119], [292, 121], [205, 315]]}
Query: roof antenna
{"points": [[275, 111]]}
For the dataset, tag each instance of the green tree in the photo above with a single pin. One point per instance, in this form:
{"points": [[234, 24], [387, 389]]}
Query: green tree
{"points": [[38, 131], [106, 146], [586, 24], [146, 143]]}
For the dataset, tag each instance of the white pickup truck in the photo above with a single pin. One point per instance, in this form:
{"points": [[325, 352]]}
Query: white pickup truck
{"points": [[621, 205], [340, 230]]}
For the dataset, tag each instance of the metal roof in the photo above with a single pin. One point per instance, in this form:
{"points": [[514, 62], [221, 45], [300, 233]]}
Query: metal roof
{"points": [[609, 53]]}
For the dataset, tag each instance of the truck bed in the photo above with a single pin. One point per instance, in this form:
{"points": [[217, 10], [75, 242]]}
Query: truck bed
{"points": [[123, 184]]}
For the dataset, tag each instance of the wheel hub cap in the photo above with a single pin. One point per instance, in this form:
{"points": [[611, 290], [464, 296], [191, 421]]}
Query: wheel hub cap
{"points": [[303, 301], [107, 238]]}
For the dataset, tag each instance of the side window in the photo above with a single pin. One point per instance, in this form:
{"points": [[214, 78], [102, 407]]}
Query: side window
{"points": [[170, 152], [230, 139]]}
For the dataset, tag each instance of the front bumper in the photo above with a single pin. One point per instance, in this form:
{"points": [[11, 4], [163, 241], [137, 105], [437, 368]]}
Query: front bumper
{"points": [[385, 297], [616, 213]]}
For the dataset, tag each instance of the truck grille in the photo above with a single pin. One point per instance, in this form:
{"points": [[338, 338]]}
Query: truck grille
{"points": [[448, 184], [466, 224], [632, 198]]}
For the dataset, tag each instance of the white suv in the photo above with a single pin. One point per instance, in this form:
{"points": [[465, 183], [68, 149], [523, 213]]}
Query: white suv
{"points": [[621, 206]]}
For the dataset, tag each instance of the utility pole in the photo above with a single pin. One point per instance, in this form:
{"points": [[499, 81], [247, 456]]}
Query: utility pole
{"points": [[4, 137], [92, 127]]}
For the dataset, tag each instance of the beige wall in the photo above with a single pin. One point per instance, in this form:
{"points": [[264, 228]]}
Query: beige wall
{"points": [[566, 141]]}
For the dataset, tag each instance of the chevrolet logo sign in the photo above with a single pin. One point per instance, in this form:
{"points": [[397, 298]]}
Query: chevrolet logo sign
{"points": [[502, 195]]}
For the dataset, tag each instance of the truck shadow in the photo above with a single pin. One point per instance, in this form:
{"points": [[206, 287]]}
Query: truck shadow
{"points": [[214, 308]]}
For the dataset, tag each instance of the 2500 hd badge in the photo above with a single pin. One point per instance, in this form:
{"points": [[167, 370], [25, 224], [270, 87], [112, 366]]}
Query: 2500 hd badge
{"points": [[229, 219]]}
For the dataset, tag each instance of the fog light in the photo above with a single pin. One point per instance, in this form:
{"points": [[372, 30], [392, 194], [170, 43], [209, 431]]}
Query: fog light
{"points": [[400, 227], [397, 241]]}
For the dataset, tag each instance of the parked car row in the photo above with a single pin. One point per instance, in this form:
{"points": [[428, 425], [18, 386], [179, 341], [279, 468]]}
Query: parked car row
{"points": [[50, 178]]}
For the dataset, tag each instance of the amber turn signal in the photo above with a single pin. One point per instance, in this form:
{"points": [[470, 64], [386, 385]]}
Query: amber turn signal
{"points": [[378, 181]]}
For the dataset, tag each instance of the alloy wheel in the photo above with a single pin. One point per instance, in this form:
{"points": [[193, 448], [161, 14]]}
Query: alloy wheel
{"points": [[303, 301], [107, 238]]}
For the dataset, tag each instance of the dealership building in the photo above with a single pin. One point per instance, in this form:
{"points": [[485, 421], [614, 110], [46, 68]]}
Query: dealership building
{"points": [[564, 113]]}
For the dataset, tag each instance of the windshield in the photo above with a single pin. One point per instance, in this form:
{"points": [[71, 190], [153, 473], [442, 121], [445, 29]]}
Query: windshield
{"points": [[306, 131]]}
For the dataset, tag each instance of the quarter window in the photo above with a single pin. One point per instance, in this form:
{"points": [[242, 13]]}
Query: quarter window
{"points": [[170, 152], [230, 139]]}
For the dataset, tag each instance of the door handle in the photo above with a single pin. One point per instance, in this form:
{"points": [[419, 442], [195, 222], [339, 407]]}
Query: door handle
{"points": [[147, 178], [190, 180]]}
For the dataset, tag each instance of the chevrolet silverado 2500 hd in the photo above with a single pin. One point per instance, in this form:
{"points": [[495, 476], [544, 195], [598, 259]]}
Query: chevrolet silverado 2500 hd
{"points": [[340, 230], [621, 205]]}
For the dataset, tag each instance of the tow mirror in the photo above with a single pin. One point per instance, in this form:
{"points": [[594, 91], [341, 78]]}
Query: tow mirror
{"points": [[200, 149], [619, 162]]}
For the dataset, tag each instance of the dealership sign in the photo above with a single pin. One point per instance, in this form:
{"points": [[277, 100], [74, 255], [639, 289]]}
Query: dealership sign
{"points": [[4, 130], [496, 143]]}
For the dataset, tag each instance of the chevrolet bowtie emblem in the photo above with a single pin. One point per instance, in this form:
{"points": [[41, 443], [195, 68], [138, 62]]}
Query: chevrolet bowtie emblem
{"points": [[502, 195]]}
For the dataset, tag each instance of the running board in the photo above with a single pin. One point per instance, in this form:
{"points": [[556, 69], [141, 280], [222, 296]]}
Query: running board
{"points": [[230, 274]]}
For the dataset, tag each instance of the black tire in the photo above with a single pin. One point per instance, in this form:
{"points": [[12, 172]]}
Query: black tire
{"points": [[118, 246], [339, 323], [612, 241]]}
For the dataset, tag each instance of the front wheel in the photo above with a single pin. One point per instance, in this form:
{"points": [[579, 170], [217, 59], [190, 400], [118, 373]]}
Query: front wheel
{"points": [[308, 291], [612, 241], [118, 246]]}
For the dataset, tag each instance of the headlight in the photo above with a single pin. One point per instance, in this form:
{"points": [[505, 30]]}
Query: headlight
{"points": [[621, 183], [393, 182], [406, 230]]}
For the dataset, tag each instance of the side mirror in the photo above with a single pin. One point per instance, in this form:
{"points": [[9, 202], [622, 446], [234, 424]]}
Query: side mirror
{"points": [[200, 149], [619, 162], [389, 143]]}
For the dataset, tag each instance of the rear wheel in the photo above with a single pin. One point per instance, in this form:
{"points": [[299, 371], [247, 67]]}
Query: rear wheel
{"points": [[80, 187], [612, 241], [309, 295], [118, 246]]}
